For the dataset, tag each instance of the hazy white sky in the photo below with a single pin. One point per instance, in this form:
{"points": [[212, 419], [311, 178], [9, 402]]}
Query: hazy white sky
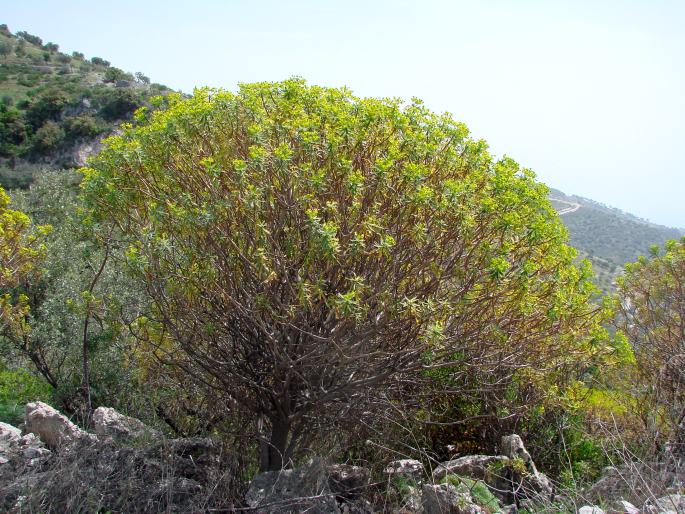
{"points": [[590, 95]]}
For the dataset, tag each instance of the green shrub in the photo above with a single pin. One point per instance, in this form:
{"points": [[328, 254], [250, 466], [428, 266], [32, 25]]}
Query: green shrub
{"points": [[84, 125], [344, 202], [17, 388], [48, 137], [20, 176], [99, 61], [113, 74], [116, 103], [478, 491], [5, 48]]}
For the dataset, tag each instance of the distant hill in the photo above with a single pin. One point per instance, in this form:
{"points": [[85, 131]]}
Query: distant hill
{"points": [[54, 107], [609, 237]]}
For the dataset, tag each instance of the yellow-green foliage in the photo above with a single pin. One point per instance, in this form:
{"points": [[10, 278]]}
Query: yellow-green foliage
{"points": [[20, 256], [294, 235], [364, 180], [651, 313]]}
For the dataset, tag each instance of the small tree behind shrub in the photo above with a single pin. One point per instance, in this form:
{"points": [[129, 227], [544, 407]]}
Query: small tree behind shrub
{"points": [[651, 304]]}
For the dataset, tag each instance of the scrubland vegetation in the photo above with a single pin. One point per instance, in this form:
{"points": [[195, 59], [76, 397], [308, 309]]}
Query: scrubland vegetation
{"points": [[298, 271]]}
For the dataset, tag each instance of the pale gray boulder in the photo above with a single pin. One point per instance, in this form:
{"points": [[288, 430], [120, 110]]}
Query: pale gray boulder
{"points": [[478, 467], [54, 428], [671, 503], [590, 509], [408, 468], [304, 489], [110, 423]]}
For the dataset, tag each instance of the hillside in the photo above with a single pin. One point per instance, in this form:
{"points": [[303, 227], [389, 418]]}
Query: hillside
{"points": [[54, 106], [608, 236]]}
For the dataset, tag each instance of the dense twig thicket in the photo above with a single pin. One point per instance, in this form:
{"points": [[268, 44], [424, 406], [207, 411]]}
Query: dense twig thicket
{"points": [[303, 247], [651, 304]]}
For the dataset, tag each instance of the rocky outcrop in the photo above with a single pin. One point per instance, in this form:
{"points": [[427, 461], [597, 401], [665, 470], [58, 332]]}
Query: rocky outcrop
{"points": [[129, 467], [110, 423], [17, 450], [408, 468], [513, 448], [8, 433], [305, 489], [637, 482], [53, 428], [83, 151], [669, 504], [478, 467], [446, 499], [511, 477]]}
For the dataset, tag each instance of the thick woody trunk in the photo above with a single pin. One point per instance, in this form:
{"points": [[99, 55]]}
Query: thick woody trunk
{"points": [[274, 453]]}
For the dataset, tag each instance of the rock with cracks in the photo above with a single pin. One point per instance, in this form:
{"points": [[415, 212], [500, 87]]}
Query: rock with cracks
{"points": [[110, 423], [19, 453], [54, 428], [478, 467], [534, 483], [408, 468], [305, 489], [147, 476], [512, 447], [511, 477]]}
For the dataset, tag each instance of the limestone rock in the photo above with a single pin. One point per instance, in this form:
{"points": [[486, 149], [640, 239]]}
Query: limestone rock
{"points": [[8, 433], [473, 466], [512, 447], [292, 490], [587, 509], [347, 481], [637, 482], [445, 499], [409, 468], [501, 476], [671, 502], [84, 151], [53, 428], [19, 453], [535, 482], [110, 423], [626, 507]]}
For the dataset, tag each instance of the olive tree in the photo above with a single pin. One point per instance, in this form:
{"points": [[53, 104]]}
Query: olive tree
{"points": [[304, 247], [78, 306]]}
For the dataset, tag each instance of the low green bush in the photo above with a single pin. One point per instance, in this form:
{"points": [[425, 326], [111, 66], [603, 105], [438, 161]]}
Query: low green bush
{"points": [[17, 388], [478, 491]]}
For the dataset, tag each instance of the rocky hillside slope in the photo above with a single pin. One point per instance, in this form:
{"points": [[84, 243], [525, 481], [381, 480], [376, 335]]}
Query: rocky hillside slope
{"points": [[54, 107], [125, 466], [607, 236]]}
